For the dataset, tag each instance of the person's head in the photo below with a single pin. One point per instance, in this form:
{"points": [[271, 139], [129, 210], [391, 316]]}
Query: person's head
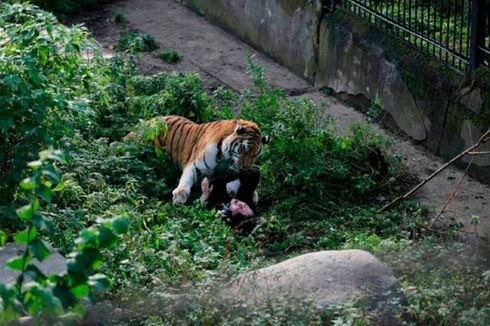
{"points": [[237, 211], [239, 208]]}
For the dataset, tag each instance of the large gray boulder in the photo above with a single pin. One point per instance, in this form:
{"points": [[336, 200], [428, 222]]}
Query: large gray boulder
{"points": [[325, 277], [55, 263]]}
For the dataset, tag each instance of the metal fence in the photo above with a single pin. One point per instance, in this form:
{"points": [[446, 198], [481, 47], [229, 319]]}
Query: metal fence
{"points": [[455, 31]]}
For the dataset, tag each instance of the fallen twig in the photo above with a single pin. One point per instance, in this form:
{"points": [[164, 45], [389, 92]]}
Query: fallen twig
{"points": [[483, 139], [451, 196]]}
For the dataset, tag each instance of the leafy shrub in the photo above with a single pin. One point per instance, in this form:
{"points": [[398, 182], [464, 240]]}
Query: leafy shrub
{"points": [[44, 86], [135, 97], [111, 119], [48, 297], [169, 56], [444, 283], [62, 7], [109, 179], [319, 188], [119, 17], [164, 94], [135, 42]]}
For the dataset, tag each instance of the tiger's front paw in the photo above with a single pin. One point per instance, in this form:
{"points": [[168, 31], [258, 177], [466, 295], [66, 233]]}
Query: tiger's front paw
{"points": [[180, 195]]}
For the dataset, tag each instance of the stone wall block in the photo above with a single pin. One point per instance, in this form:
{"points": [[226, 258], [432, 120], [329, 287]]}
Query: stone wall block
{"points": [[283, 29]]}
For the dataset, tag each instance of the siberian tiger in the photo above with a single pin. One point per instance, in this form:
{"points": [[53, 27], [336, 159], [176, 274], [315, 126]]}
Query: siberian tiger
{"points": [[198, 148]]}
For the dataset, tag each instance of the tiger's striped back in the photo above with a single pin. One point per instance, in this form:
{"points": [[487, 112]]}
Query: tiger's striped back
{"points": [[185, 140], [181, 138]]}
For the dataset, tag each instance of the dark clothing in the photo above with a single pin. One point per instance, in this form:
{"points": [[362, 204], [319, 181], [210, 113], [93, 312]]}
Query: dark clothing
{"points": [[249, 180]]}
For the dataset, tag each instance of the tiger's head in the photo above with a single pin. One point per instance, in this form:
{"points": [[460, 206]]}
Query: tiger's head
{"points": [[243, 145]]}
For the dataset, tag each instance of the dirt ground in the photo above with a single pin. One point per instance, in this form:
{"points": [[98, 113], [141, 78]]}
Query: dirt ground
{"points": [[220, 58]]}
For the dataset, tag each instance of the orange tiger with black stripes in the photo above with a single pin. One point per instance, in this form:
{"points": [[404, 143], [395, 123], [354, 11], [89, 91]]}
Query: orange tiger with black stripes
{"points": [[198, 148]]}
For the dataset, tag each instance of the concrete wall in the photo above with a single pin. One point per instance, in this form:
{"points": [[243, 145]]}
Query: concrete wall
{"points": [[280, 28], [430, 102]]}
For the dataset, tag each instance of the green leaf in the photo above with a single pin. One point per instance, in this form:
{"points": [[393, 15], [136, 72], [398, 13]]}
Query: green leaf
{"points": [[35, 273], [107, 238], [3, 238], [121, 225], [100, 282], [75, 267], [28, 184], [26, 236], [25, 212], [35, 205], [52, 174], [40, 221], [88, 236], [80, 291], [18, 263], [39, 250], [64, 295], [45, 193], [90, 258], [43, 54], [42, 300], [57, 155], [35, 164]]}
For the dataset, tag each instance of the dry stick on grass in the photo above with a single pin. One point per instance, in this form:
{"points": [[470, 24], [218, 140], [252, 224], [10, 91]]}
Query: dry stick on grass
{"points": [[483, 139], [451, 195]]}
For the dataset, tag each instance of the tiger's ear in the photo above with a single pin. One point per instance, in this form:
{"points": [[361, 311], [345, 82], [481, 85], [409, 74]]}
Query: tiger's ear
{"points": [[265, 140], [239, 129]]}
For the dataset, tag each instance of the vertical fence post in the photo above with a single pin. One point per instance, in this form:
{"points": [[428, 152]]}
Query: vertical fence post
{"points": [[477, 19]]}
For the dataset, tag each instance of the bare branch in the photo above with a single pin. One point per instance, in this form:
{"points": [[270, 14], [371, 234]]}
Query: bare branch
{"points": [[483, 139]]}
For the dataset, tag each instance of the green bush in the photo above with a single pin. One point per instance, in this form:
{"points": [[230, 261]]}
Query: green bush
{"points": [[165, 94], [169, 56], [44, 86], [62, 7], [444, 283], [134, 42], [119, 17], [319, 188], [48, 298]]}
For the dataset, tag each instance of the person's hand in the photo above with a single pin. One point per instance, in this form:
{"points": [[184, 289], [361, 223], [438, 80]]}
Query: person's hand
{"points": [[206, 190]]}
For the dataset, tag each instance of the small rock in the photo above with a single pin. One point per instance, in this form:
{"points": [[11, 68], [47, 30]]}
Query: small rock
{"points": [[54, 264]]}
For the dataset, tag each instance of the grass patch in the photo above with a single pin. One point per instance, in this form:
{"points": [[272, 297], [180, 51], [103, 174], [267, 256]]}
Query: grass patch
{"points": [[444, 282], [169, 56]]}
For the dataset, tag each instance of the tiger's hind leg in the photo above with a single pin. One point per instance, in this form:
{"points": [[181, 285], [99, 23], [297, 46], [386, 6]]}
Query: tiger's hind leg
{"points": [[183, 190]]}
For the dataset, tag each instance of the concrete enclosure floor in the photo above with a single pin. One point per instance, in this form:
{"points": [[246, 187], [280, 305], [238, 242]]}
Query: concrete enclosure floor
{"points": [[220, 58]]}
